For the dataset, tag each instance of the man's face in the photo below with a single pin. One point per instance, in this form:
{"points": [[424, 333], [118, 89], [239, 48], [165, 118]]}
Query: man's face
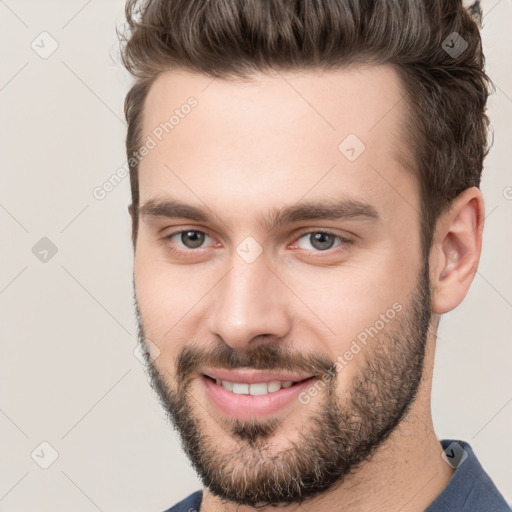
{"points": [[267, 288]]}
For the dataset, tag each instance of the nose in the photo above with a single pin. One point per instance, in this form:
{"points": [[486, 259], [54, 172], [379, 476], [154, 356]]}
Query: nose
{"points": [[250, 305]]}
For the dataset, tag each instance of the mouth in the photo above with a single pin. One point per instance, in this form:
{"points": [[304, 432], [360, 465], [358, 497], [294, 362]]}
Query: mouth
{"points": [[250, 394], [254, 389]]}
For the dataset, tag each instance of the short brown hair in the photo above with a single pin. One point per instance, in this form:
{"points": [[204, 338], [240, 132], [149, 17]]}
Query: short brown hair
{"points": [[446, 91]]}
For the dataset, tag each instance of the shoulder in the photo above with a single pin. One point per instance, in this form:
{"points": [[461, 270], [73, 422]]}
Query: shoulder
{"points": [[470, 488], [189, 504]]}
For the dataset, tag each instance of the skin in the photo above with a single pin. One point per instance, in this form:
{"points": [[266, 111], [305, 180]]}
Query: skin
{"points": [[252, 146]]}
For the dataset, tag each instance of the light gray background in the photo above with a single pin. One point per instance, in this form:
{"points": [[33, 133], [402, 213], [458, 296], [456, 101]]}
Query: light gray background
{"points": [[68, 375]]}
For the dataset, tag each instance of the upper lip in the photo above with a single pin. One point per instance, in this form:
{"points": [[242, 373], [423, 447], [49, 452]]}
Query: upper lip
{"points": [[251, 376]]}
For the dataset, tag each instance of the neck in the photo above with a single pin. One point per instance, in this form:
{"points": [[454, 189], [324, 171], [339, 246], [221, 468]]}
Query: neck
{"points": [[405, 473]]}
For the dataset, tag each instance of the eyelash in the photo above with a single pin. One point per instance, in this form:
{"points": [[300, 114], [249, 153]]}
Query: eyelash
{"points": [[343, 241]]}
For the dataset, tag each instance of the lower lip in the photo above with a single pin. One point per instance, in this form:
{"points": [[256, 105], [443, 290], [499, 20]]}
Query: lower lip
{"points": [[246, 407]]}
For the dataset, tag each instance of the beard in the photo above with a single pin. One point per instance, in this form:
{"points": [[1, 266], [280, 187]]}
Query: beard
{"points": [[339, 433]]}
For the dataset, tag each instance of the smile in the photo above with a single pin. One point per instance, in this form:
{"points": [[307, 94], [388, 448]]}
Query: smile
{"points": [[256, 389], [250, 394]]}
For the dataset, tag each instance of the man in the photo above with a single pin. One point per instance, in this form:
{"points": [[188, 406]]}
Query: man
{"points": [[305, 206]]}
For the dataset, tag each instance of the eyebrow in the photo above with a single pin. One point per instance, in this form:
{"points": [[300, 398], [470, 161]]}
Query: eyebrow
{"points": [[329, 209]]}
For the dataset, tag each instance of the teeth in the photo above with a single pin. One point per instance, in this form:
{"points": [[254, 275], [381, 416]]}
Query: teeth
{"points": [[274, 386], [259, 388], [227, 385], [240, 389]]}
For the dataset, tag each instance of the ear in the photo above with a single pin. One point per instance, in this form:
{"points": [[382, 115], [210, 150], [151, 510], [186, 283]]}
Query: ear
{"points": [[456, 249]]}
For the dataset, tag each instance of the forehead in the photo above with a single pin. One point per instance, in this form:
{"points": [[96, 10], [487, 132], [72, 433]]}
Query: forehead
{"points": [[275, 137]]}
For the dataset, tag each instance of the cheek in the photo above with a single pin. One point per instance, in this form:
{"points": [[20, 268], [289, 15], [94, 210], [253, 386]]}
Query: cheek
{"points": [[170, 297], [161, 294], [354, 302]]}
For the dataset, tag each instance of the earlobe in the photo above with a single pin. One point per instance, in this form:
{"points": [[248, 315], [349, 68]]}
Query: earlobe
{"points": [[456, 250]]}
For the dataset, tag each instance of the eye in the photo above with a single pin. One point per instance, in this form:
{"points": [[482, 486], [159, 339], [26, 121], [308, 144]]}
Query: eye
{"points": [[314, 241], [320, 240], [188, 239]]}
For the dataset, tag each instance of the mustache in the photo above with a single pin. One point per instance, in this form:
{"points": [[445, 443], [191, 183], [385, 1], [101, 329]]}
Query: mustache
{"points": [[194, 357]]}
